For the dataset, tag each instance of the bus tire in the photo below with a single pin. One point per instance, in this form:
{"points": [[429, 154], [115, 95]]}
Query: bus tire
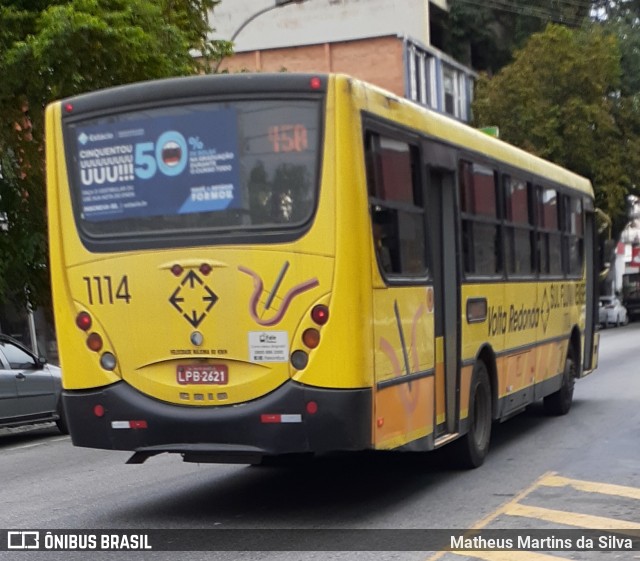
{"points": [[559, 403], [471, 450]]}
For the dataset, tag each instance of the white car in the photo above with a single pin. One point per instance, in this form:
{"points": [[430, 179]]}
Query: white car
{"points": [[612, 312]]}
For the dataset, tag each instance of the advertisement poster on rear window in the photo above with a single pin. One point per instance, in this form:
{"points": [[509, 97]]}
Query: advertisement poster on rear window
{"points": [[159, 166]]}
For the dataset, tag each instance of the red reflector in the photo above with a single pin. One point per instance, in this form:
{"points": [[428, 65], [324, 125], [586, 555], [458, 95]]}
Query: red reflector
{"points": [[138, 424], [315, 83], [177, 270], [68, 108], [83, 321], [205, 268], [94, 342], [270, 418], [312, 408], [98, 411], [320, 314]]}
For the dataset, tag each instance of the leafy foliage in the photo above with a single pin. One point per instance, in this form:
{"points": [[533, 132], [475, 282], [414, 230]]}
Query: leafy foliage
{"points": [[623, 19], [569, 109], [51, 49], [485, 34]]}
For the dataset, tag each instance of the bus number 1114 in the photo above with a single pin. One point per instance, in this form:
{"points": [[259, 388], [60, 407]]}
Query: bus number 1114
{"points": [[100, 289]]}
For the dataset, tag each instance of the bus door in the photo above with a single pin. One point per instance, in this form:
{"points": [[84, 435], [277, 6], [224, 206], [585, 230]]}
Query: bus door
{"points": [[591, 338], [441, 214]]}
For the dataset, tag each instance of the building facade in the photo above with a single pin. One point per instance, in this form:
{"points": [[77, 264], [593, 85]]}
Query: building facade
{"points": [[385, 42]]}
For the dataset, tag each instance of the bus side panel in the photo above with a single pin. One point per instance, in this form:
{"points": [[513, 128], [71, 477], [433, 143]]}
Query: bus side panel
{"points": [[344, 358], [489, 334], [404, 348], [80, 367]]}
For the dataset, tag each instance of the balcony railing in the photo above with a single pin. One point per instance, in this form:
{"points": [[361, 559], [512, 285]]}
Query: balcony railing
{"points": [[435, 80]]}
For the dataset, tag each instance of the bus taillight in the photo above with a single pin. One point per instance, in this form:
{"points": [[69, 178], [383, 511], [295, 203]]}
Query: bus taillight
{"points": [[94, 342], [108, 361], [311, 338], [299, 360], [83, 321], [320, 314]]}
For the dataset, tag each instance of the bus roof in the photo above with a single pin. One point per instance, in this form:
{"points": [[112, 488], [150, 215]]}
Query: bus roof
{"points": [[391, 106], [439, 126]]}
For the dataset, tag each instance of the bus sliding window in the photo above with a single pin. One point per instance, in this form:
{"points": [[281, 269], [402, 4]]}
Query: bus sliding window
{"points": [[396, 206]]}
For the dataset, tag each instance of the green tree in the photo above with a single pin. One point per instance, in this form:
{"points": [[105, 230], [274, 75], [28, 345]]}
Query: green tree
{"points": [[622, 17], [561, 99], [484, 35], [51, 49]]}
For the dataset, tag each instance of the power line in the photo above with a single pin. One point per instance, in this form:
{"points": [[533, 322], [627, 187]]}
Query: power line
{"points": [[530, 11], [535, 11]]}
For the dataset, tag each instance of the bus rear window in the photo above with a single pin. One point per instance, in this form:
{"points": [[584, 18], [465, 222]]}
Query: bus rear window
{"points": [[234, 165]]}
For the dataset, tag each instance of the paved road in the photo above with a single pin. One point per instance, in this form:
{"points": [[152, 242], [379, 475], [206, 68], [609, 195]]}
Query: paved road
{"points": [[541, 473]]}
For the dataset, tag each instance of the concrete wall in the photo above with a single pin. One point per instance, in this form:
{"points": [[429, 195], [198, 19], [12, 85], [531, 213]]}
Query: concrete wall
{"points": [[319, 21]]}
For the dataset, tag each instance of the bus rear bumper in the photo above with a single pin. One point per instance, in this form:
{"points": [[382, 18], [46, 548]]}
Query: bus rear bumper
{"points": [[118, 417]]}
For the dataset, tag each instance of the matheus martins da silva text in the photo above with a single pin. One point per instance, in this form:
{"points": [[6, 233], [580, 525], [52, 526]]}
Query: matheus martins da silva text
{"points": [[548, 543]]}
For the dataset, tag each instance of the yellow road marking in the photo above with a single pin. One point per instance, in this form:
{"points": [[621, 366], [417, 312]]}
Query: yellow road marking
{"points": [[592, 487], [501, 510], [571, 518], [506, 555], [513, 507]]}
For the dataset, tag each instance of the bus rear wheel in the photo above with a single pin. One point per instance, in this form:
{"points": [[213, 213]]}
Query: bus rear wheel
{"points": [[471, 450], [559, 403]]}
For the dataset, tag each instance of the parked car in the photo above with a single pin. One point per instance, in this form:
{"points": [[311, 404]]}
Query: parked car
{"points": [[612, 312], [30, 389]]}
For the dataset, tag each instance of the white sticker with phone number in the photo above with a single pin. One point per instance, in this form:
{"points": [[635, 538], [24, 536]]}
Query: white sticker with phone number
{"points": [[268, 346]]}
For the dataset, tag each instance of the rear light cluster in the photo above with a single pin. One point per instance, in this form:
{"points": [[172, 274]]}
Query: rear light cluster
{"points": [[310, 337], [94, 341]]}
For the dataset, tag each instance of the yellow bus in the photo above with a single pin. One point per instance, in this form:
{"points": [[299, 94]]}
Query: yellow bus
{"points": [[255, 266]]}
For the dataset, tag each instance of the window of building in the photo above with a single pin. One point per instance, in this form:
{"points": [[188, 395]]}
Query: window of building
{"points": [[396, 205], [481, 216], [450, 97]]}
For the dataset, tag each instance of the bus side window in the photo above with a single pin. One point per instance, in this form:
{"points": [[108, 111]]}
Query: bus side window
{"points": [[396, 205], [481, 219], [519, 239], [549, 236], [385, 242], [573, 234]]}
